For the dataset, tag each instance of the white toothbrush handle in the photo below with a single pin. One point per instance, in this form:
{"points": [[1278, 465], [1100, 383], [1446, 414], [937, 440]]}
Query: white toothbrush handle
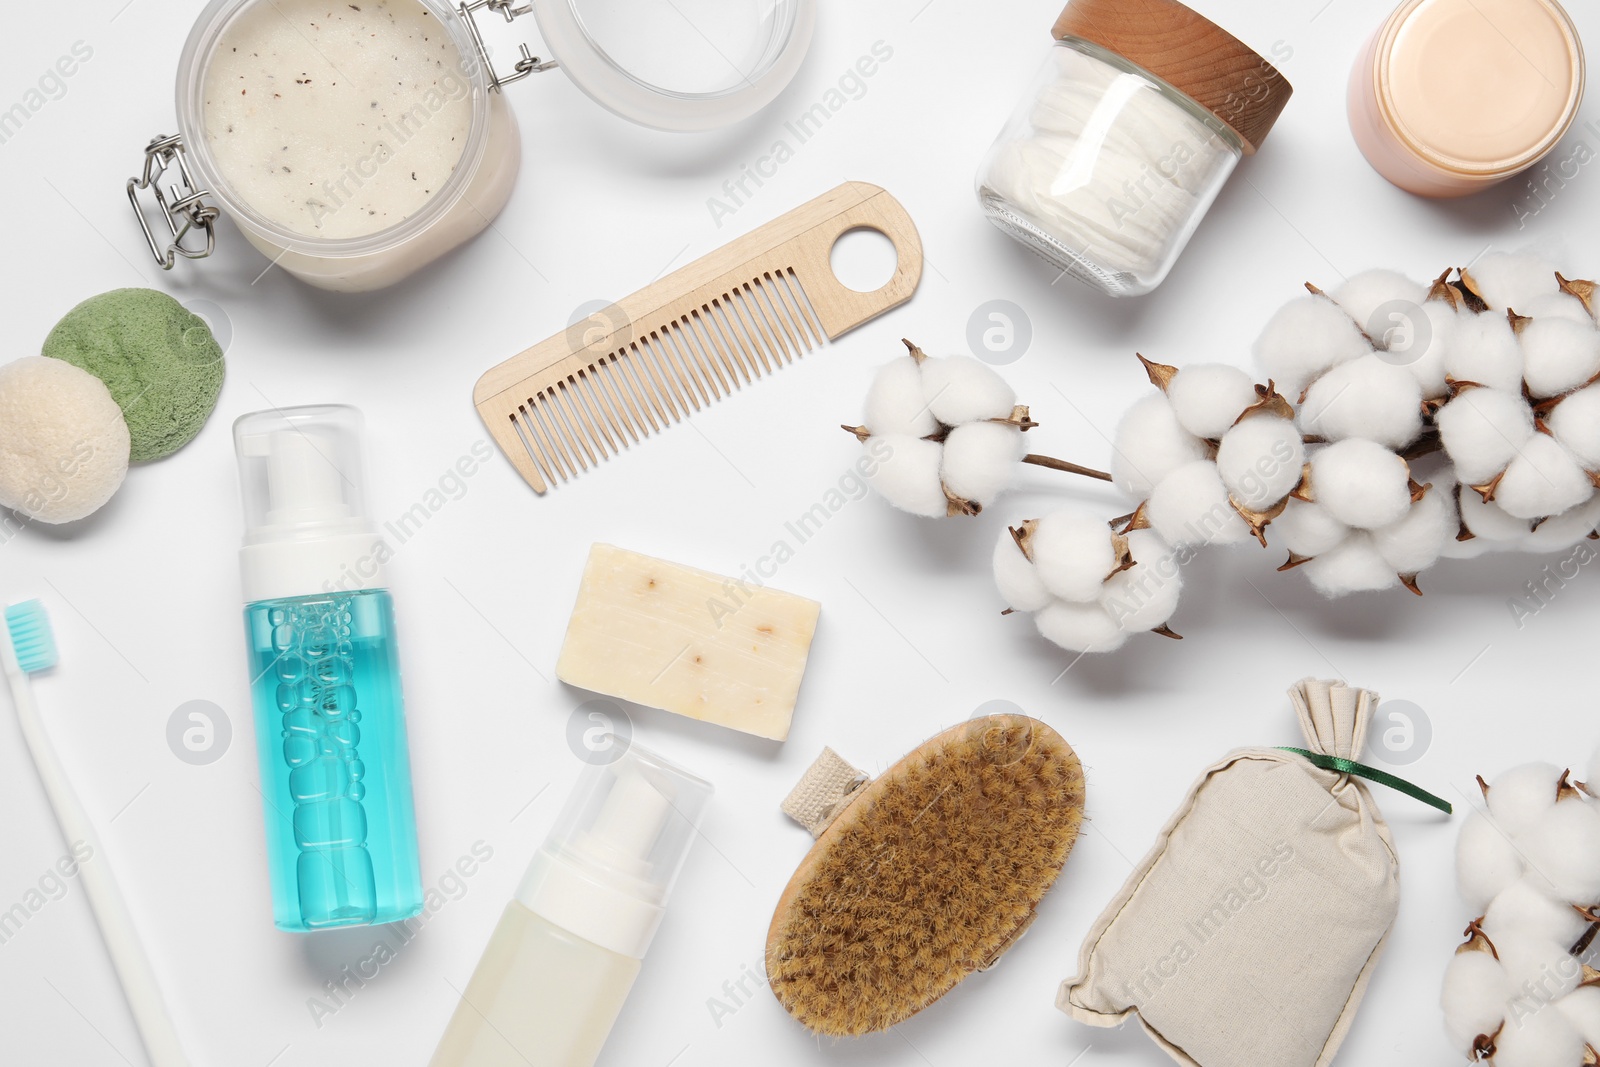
{"points": [[105, 898]]}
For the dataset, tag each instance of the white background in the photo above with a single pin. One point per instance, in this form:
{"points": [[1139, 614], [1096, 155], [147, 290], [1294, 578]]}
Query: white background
{"points": [[144, 596]]}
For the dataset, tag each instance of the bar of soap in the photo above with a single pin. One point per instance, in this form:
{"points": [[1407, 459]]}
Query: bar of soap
{"points": [[688, 641]]}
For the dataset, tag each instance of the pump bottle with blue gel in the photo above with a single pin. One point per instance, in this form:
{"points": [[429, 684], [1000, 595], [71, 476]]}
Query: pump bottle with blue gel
{"points": [[325, 677]]}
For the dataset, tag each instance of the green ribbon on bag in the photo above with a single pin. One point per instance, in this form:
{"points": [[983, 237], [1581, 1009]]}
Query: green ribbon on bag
{"points": [[1372, 774]]}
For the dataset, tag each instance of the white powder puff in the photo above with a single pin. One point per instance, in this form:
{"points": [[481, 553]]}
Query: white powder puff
{"points": [[960, 389], [1018, 580], [1539, 1038], [1581, 1007], [1558, 355], [1073, 554], [1550, 968], [1575, 422], [1191, 507], [1487, 862], [1080, 627], [982, 460], [1367, 398], [1489, 522], [1564, 530], [1353, 566], [1368, 297], [909, 477], [1260, 460], [895, 403], [1485, 351], [1476, 990], [1416, 542], [1512, 281], [1557, 306], [1150, 444], [1563, 852], [1145, 595], [1306, 337], [1523, 796], [1209, 397], [1543, 479], [1527, 910], [1482, 430], [1308, 529], [56, 418], [1362, 484]]}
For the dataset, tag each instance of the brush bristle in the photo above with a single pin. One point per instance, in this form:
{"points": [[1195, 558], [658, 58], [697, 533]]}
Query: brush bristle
{"points": [[927, 876], [31, 638]]}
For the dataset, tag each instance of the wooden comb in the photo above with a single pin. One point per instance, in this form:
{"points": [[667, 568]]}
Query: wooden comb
{"points": [[723, 321]]}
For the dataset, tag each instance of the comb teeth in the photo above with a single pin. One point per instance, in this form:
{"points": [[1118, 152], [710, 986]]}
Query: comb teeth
{"points": [[31, 637], [667, 372]]}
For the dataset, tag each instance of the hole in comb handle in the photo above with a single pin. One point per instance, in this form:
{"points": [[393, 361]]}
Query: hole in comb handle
{"points": [[864, 259]]}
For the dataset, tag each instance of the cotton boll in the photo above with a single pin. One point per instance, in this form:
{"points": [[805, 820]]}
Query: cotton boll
{"points": [[1543, 479], [982, 460], [1476, 990], [1150, 444], [1482, 430], [1473, 548], [895, 403], [1563, 852], [1564, 530], [1489, 522], [1306, 337], [1424, 349], [1145, 595], [1575, 422], [1543, 1038], [1558, 355], [908, 477], [1209, 397], [1080, 627], [1017, 578], [1362, 484], [1519, 799], [1367, 398], [1487, 862], [1485, 351], [1539, 964], [1557, 306], [1581, 1007], [1308, 530], [1526, 910], [1508, 280], [1592, 779], [1416, 542], [1354, 566], [1191, 507], [1260, 460], [960, 389], [1365, 295], [1073, 553]]}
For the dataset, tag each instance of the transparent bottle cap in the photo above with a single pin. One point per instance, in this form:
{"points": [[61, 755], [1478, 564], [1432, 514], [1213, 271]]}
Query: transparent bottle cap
{"points": [[679, 64], [629, 824], [300, 473]]}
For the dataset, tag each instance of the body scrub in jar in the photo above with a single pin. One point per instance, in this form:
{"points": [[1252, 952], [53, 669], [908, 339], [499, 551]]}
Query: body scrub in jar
{"points": [[1450, 97], [1135, 123]]}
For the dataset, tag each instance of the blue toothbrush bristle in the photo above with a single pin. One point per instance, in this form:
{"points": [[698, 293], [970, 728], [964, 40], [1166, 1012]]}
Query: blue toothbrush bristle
{"points": [[29, 626]]}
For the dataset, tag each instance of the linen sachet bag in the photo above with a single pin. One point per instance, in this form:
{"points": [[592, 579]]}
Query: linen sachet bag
{"points": [[1248, 935]]}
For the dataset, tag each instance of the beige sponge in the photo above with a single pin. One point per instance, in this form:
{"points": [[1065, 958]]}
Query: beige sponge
{"points": [[928, 873], [63, 440]]}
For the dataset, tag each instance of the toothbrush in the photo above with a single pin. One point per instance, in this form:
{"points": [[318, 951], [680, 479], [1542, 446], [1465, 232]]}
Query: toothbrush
{"points": [[27, 647]]}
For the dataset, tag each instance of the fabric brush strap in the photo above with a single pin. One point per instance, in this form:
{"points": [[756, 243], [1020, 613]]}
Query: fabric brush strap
{"points": [[1371, 774], [827, 788]]}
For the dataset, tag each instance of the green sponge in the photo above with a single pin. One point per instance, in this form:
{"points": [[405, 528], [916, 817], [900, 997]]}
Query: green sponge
{"points": [[159, 360]]}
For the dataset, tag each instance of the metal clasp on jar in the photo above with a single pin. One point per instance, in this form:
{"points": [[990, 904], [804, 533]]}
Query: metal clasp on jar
{"points": [[526, 65], [182, 204]]}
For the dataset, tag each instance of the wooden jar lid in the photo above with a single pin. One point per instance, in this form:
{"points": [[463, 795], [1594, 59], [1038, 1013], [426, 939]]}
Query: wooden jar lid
{"points": [[1189, 52]]}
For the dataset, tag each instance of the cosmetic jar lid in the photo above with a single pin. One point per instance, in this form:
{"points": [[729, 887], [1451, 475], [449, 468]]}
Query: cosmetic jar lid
{"points": [[1190, 53], [1482, 88]]}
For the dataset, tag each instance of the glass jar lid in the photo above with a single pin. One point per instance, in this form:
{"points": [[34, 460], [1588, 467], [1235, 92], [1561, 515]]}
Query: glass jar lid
{"points": [[678, 64]]}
